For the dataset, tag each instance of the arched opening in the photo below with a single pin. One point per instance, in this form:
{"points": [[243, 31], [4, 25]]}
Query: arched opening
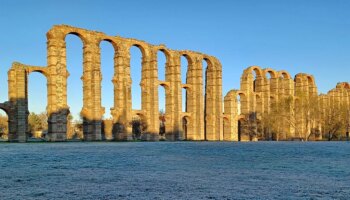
{"points": [[257, 78], [240, 129], [239, 104], [162, 111], [226, 129], [271, 76], [297, 86], [268, 80], [74, 62], [242, 107], [138, 125], [184, 96], [254, 82], [107, 69], [284, 86], [4, 125], [205, 87], [185, 126], [346, 86], [161, 60], [184, 77], [311, 84], [37, 102], [136, 76]]}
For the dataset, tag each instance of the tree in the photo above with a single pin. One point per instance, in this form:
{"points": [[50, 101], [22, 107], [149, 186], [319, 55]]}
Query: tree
{"points": [[161, 122], [37, 122], [3, 126], [279, 115], [336, 121]]}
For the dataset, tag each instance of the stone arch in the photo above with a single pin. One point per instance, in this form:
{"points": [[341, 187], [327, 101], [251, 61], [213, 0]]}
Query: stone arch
{"points": [[59, 33], [284, 74], [143, 48], [243, 104], [252, 79], [42, 71], [108, 80], [110, 40], [132, 84], [273, 73], [164, 121], [312, 85], [272, 82], [165, 51], [186, 126], [258, 103], [310, 80], [259, 72], [240, 128], [164, 73], [6, 109]]}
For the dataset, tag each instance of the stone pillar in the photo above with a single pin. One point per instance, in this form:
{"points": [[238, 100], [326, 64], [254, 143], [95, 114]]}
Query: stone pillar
{"points": [[17, 82], [231, 116], [92, 110], [218, 101], [122, 110], [213, 103], [150, 85], [57, 86], [173, 98], [192, 100], [210, 114], [200, 100]]}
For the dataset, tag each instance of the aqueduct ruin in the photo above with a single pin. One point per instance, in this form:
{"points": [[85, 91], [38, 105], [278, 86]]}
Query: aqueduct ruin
{"points": [[244, 115], [296, 103], [203, 109]]}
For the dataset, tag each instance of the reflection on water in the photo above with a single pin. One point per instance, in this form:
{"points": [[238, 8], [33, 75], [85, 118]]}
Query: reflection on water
{"points": [[175, 170]]}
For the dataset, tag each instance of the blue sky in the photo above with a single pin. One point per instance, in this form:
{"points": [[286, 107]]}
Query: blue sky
{"points": [[299, 36]]}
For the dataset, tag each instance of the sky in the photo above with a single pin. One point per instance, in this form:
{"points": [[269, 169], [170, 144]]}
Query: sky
{"points": [[298, 36]]}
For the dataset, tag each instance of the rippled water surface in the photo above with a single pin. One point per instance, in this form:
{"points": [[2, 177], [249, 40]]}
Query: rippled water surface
{"points": [[175, 170]]}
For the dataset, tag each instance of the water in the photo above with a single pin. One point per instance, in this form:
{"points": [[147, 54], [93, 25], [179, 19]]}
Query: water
{"points": [[175, 170]]}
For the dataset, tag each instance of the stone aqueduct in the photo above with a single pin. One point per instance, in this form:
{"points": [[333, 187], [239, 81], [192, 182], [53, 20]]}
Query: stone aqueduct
{"points": [[122, 113], [207, 116]]}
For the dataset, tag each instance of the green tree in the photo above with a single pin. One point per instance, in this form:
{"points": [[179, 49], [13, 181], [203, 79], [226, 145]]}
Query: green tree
{"points": [[37, 122], [3, 126]]}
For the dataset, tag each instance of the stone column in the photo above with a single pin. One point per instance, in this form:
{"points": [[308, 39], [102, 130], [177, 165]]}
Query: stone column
{"points": [[122, 110], [92, 110], [218, 102], [17, 80], [173, 98], [192, 100], [57, 86], [231, 115], [149, 86]]}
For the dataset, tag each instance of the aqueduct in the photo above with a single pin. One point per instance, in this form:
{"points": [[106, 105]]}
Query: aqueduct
{"points": [[203, 113], [262, 92], [240, 117]]}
